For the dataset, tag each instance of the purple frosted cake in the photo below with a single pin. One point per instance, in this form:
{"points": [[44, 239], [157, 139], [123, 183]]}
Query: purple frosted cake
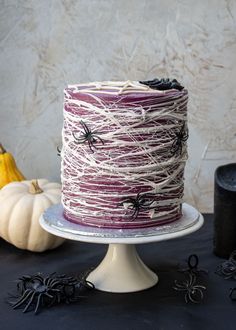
{"points": [[124, 153]]}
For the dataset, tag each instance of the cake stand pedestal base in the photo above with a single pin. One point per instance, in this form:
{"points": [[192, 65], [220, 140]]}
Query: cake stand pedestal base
{"points": [[122, 270]]}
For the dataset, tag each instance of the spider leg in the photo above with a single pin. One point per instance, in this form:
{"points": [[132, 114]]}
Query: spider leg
{"points": [[75, 136], [88, 284], [22, 299], [195, 301], [186, 297], [200, 291], [20, 286], [135, 213], [90, 146], [54, 282], [80, 142], [46, 280], [199, 287], [182, 129], [148, 203], [38, 277], [174, 147], [29, 303], [138, 196], [179, 287], [150, 207], [185, 137], [55, 299], [37, 304], [128, 200], [180, 148], [92, 141], [79, 139], [192, 279], [100, 139], [131, 207], [85, 127], [48, 295]]}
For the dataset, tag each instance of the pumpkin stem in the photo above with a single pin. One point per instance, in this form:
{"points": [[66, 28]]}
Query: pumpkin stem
{"points": [[34, 187], [2, 150]]}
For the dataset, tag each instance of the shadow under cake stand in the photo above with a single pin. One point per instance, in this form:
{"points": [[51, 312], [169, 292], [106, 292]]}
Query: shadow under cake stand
{"points": [[121, 270]]}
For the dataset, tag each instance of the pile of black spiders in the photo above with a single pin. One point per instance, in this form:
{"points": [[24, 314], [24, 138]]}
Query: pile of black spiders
{"points": [[38, 291]]}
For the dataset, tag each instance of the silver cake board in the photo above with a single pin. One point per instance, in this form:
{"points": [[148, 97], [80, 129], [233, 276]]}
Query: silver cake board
{"points": [[121, 270]]}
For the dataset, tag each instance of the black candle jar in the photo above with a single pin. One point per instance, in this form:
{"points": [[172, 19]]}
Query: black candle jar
{"points": [[225, 210]]}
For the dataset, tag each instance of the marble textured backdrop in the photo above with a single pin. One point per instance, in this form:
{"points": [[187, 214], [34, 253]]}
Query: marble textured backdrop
{"points": [[48, 43]]}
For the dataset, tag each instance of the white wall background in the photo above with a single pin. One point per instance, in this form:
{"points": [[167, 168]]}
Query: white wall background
{"points": [[48, 43]]}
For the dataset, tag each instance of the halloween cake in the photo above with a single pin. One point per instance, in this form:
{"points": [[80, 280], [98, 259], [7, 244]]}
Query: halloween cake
{"points": [[124, 153]]}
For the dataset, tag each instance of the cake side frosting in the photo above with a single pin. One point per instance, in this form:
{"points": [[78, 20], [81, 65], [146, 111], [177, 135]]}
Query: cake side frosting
{"points": [[124, 153]]}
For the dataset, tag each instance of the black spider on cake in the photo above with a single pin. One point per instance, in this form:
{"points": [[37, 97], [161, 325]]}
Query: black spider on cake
{"points": [[88, 136], [163, 84], [180, 137], [138, 203]]}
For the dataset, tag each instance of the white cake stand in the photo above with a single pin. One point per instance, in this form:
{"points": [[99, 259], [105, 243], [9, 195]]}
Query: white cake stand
{"points": [[121, 270]]}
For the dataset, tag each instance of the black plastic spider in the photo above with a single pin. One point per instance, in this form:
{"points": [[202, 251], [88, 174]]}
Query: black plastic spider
{"points": [[39, 291], [180, 137], [163, 84], [36, 290], [228, 268], [87, 136], [193, 265], [193, 292], [140, 202]]}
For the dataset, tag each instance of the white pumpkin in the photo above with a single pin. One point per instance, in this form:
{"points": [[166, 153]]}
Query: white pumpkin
{"points": [[21, 205]]}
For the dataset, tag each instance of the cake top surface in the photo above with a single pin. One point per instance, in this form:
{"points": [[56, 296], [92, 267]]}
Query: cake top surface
{"points": [[152, 87]]}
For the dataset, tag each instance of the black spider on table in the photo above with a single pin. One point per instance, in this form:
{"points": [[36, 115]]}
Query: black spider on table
{"points": [[193, 292], [228, 268], [44, 291], [140, 202], [88, 136], [180, 137]]}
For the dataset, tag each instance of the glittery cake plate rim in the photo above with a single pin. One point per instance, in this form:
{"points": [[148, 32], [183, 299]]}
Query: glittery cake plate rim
{"points": [[54, 222]]}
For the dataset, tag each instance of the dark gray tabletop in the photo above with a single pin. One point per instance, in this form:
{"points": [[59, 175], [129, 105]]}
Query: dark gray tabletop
{"points": [[160, 307]]}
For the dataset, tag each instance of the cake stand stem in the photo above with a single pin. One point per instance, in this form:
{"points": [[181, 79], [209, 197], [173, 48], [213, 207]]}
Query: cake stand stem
{"points": [[122, 270]]}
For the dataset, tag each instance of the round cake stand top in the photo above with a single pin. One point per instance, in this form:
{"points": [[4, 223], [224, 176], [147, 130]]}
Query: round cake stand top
{"points": [[54, 222]]}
